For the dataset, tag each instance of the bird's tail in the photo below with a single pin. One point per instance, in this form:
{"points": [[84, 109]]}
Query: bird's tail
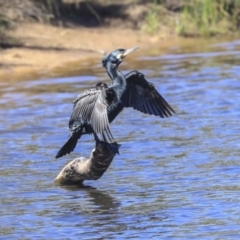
{"points": [[70, 144]]}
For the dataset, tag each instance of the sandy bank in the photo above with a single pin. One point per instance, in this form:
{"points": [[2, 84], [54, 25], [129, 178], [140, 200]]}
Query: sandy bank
{"points": [[45, 47]]}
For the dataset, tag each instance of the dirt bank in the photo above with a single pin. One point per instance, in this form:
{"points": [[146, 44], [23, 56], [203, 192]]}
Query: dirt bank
{"points": [[44, 47], [79, 29]]}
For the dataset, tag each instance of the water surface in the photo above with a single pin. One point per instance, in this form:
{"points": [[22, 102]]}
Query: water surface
{"points": [[175, 178]]}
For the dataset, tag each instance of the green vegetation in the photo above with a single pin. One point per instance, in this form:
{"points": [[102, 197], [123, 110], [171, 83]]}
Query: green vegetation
{"points": [[151, 24], [208, 17], [194, 18], [185, 17]]}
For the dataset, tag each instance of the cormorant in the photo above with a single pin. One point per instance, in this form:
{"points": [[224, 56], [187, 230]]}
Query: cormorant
{"points": [[91, 168], [94, 109]]}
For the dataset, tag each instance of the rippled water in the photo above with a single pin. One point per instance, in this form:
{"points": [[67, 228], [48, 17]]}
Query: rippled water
{"points": [[175, 178]]}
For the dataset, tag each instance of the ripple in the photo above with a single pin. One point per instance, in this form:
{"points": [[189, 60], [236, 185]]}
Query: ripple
{"points": [[175, 178]]}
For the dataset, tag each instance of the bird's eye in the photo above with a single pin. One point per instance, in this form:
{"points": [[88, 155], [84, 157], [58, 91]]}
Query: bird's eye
{"points": [[120, 56]]}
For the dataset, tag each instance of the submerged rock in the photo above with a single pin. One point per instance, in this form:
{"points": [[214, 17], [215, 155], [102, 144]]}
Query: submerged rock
{"points": [[92, 168]]}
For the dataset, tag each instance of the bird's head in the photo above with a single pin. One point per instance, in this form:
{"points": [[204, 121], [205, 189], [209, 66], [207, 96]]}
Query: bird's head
{"points": [[117, 56]]}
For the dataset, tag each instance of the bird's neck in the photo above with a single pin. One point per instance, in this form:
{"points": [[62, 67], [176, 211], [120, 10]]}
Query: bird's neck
{"points": [[116, 76]]}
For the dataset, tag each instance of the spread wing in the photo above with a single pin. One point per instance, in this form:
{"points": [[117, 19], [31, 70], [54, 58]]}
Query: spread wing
{"points": [[90, 108], [143, 96]]}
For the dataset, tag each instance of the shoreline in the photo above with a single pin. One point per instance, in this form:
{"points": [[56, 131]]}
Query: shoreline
{"points": [[78, 30], [46, 47]]}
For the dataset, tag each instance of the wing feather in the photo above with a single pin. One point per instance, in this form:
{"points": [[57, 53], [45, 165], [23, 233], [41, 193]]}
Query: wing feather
{"points": [[83, 107], [143, 96], [99, 117], [90, 107]]}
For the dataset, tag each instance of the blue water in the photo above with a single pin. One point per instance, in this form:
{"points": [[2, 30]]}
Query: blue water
{"points": [[175, 178]]}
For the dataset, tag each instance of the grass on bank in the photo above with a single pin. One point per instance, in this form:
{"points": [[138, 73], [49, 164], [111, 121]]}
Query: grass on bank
{"points": [[208, 17], [151, 24], [197, 18], [194, 17]]}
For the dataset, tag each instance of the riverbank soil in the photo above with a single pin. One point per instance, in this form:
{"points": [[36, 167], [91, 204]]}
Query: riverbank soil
{"points": [[78, 30], [48, 46], [41, 35]]}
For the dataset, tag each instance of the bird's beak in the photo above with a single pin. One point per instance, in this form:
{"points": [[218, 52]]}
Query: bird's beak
{"points": [[127, 51]]}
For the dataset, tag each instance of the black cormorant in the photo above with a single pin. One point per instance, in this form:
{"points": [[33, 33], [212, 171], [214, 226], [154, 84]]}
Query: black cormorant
{"points": [[94, 109]]}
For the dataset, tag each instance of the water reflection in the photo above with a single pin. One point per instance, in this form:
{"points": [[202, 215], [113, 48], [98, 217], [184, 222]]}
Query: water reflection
{"points": [[98, 201]]}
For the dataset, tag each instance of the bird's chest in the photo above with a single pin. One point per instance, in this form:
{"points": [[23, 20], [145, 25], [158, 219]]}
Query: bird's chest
{"points": [[114, 108], [115, 105]]}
